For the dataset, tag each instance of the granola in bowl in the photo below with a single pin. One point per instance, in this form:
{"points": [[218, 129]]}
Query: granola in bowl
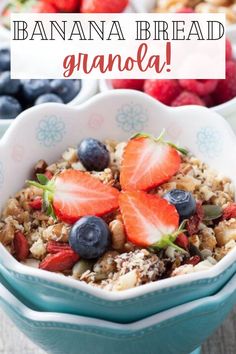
{"points": [[117, 215]]}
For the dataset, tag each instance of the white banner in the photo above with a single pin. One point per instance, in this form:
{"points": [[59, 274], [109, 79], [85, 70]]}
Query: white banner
{"points": [[180, 46]]}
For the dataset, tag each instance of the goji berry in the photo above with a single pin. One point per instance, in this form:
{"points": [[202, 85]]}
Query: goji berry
{"points": [[21, 246], [60, 261], [55, 247]]}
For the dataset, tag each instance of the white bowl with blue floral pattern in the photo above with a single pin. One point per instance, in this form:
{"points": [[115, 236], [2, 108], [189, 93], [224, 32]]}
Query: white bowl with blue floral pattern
{"points": [[43, 132]]}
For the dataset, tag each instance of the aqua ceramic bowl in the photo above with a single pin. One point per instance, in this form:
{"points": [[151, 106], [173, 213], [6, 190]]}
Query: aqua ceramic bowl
{"points": [[176, 331], [46, 131]]}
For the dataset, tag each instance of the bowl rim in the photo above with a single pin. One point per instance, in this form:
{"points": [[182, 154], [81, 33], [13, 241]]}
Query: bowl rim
{"points": [[57, 280], [213, 301]]}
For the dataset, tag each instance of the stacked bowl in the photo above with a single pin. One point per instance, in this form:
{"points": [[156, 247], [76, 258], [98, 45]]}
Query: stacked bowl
{"points": [[60, 314]]}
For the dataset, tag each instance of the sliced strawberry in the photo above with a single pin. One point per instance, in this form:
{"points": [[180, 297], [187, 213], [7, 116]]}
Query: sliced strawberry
{"points": [[148, 163], [55, 247], [60, 261], [148, 219], [74, 194], [21, 246], [36, 204]]}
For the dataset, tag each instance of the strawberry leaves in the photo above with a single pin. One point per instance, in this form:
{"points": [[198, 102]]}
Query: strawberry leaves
{"points": [[168, 240], [48, 191]]}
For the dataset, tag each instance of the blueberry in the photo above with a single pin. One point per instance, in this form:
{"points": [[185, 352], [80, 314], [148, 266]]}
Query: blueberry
{"points": [[93, 155], [9, 107], [66, 89], [32, 89], [7, 85], [5, 59], [90, 237], [48, 97], [183, 201]]}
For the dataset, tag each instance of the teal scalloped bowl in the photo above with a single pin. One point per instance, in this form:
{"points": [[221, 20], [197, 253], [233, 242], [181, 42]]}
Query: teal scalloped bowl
{"points": [[176, 331], [45, 131]]}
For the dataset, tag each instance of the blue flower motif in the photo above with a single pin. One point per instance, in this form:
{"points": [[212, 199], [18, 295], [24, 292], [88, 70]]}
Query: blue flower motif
{"points": [[50, 131], [1, 173], [209, 141], [132, 118]]}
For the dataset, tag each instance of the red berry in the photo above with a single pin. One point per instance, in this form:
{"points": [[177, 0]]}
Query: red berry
{"points": [[226, 89], [21, 246], [132, 84], [60, 261], [36, 204], [193, 260], [209, 101], [107, 6], [64, 5], [43, 7], [199, 87], [187, 98], [48, 174], [229, 212], [185, 10], [164, 90], [147, 163], [228, 50], [55, 247], [182, 241], [147, 218]]}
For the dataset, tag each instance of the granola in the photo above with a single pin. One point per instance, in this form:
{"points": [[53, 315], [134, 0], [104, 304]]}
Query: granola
{"points": [[37, 231], [207, 6]]}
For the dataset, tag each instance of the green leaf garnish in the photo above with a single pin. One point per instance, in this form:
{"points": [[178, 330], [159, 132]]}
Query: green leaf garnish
{"points": [[168, 240], [160, 138], [48, 188], [211, 212]]}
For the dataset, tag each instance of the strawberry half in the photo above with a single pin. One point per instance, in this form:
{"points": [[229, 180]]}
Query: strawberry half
{"points": [[148, 162], [73, 194], [149, 220]]}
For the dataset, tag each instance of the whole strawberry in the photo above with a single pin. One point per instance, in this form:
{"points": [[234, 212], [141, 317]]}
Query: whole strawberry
{"points": [[106, 6], [64, 5], [226, 89]]}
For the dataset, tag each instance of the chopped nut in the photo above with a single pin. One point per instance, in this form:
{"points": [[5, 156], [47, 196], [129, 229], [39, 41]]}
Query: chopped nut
{"points": [[118, 234], [105, 265], [70, 155], [126, 281], [225, 231], [40, 166], [38, 249], [7, 234], [57, 232], [207, 239]]}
